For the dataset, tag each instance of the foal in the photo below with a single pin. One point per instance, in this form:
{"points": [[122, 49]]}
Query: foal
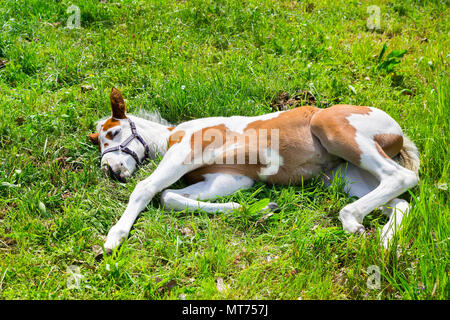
{"points": [[221, 155]]}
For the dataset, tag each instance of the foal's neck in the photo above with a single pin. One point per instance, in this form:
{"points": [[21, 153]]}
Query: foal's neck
{"points": [[155, 134]]}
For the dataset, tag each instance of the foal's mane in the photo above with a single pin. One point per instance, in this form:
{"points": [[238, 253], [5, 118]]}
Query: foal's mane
{"points": [[153, 116]]}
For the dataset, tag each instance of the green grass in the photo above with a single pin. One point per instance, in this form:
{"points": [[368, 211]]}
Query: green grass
{"points": [[231, 57]]}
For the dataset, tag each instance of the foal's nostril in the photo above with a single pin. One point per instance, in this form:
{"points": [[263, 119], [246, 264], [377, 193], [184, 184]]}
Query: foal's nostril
{"points": [[115, 175]]}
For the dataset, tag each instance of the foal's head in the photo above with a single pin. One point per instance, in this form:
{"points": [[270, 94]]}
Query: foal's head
{"points": [[121, 146]]}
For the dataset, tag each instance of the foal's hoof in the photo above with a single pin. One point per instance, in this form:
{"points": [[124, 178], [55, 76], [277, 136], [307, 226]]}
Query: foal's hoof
{"points": [[99, 256], [272, 207], [361, 230], [99, 253], [355, 228], [387, 235]]}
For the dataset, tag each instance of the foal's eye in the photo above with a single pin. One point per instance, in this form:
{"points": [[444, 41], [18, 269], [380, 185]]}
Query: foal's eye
{"points": [[115, 133]]}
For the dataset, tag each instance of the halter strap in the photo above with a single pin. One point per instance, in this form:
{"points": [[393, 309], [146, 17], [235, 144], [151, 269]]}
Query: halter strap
{"points": [[123, 146]]}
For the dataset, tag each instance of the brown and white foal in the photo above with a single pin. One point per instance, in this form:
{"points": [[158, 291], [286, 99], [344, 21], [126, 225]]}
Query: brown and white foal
{"points": [[221, 155]]}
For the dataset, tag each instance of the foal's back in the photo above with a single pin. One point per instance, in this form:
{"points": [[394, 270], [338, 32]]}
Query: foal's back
{"points": [[287, 150]]}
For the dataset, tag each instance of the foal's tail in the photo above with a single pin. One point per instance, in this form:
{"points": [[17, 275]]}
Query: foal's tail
{"points": [[409, 156]]}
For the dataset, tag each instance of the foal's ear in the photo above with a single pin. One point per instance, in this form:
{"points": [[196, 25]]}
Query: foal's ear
{"points": [[117, 104], [94, 138]]}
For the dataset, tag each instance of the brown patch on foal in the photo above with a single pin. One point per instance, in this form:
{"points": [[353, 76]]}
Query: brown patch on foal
{"points": [[388, 145], [220, 136], [336, 133], [338, 136], [175, 137], [208, 136], [110, 123], [94, 137], [301, 152]]}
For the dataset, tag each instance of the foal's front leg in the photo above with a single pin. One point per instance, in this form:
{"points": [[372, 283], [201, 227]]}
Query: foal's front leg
{"points": [[172, 167], [213, 186]]}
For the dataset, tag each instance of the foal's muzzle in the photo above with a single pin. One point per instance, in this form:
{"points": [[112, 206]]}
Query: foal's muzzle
{"points": [[115, 175]]}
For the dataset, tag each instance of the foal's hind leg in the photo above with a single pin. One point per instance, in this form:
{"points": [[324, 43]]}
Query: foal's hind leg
{"points": [[215, 185], [351, 133], [396, 210], [358, 183]]}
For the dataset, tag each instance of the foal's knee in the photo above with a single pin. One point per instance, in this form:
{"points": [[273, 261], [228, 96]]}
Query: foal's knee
{"points": [[410, 179], [174, 199], [167, 196]]}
